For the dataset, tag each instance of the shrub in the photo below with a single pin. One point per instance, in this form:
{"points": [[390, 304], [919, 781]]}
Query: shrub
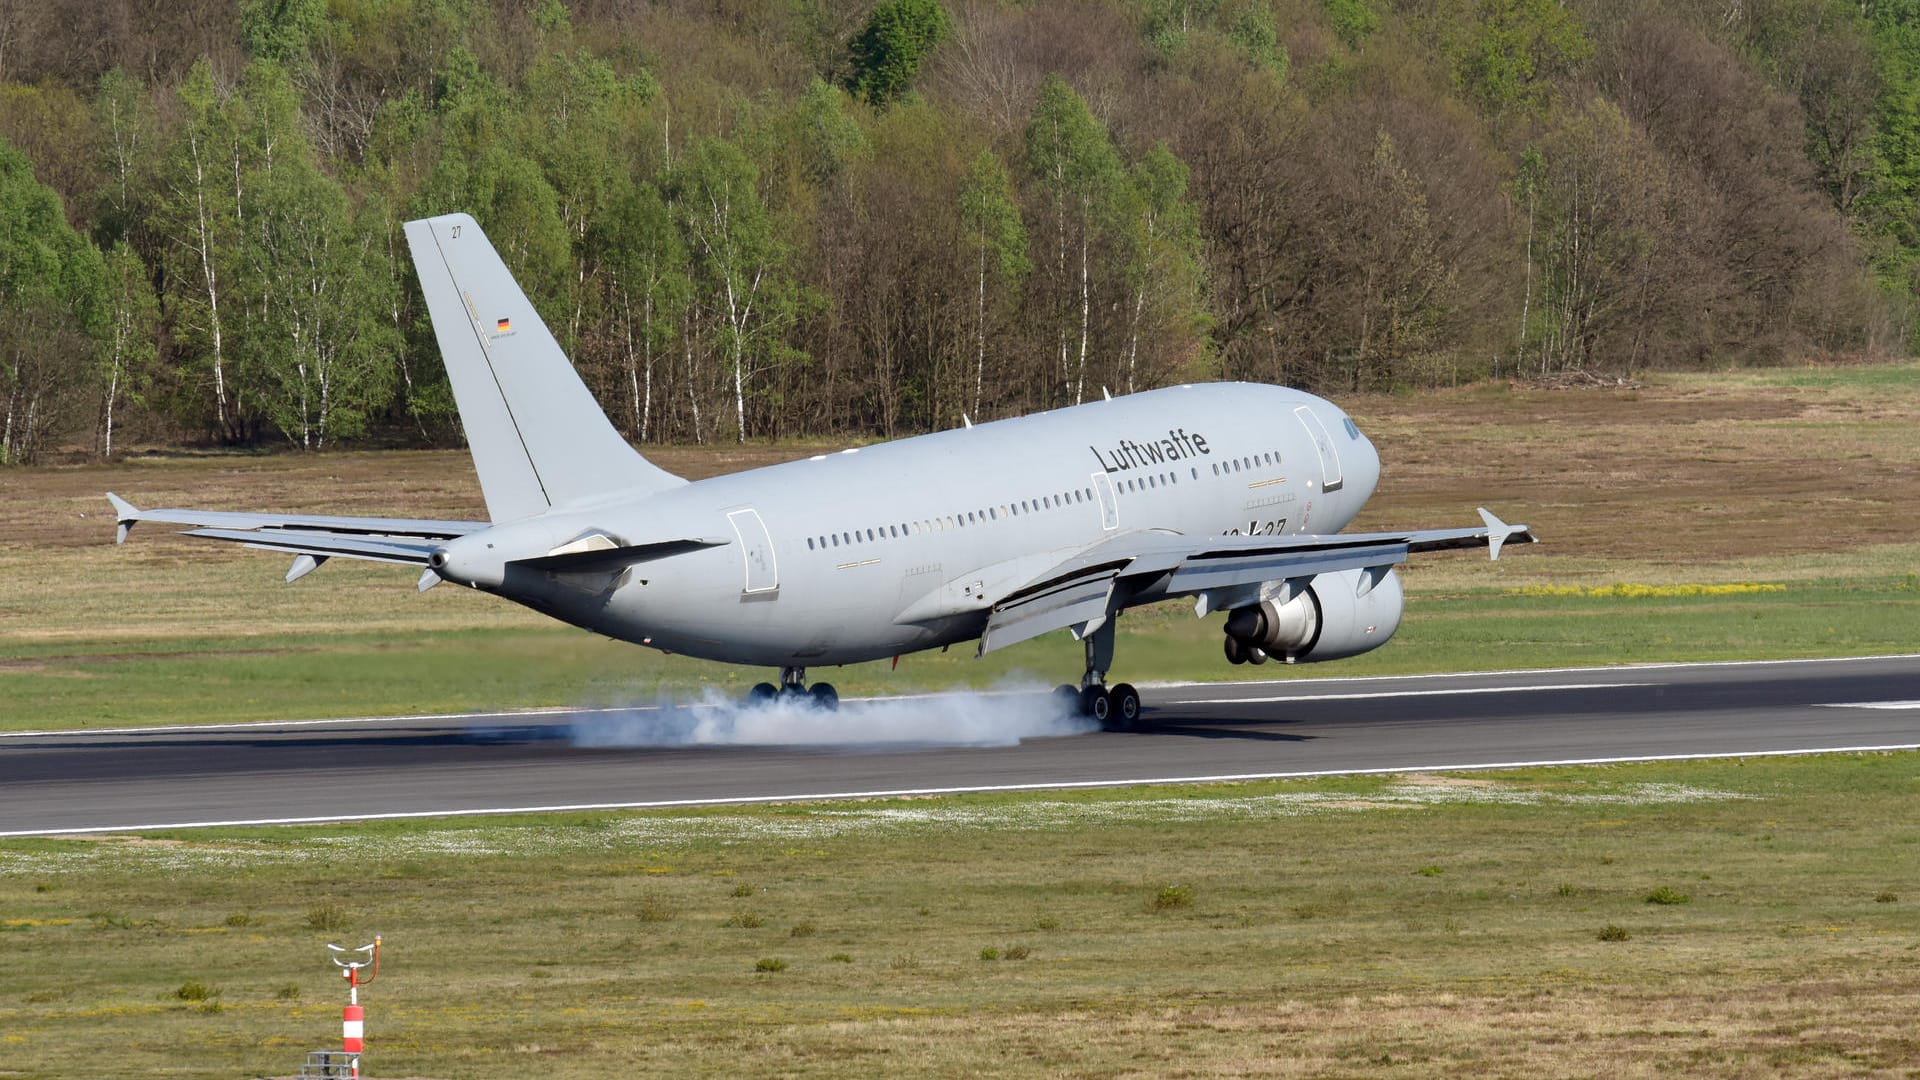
{"points": [[1017, 952], [745, 919], [989, 953], [328, 916], [805, 929], [195, 990], [1173, 896], [840, 958], [654, 909], [239, 918], [1667, 894], [1566, 889], [1430, 871], [769, 963], [1611, 932], [743, 889], [289, 992], [1886, 897]]}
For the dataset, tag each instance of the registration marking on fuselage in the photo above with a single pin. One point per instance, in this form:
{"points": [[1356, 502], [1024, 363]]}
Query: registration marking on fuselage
{"points": [[1451, 692]]}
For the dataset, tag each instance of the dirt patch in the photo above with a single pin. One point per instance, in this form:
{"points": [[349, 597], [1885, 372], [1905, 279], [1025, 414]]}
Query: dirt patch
{"points": [[1682, 469]]}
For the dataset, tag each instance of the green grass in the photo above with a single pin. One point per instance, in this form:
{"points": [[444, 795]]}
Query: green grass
{"points": [[1273, 928], [184, 680]]}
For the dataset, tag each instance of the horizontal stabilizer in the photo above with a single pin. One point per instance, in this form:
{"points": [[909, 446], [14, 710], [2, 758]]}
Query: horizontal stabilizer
{"points": [[608, 560], [320, 545]]}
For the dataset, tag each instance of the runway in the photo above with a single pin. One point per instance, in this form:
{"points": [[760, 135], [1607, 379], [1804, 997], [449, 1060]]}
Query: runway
{"points": [[133, 779]]}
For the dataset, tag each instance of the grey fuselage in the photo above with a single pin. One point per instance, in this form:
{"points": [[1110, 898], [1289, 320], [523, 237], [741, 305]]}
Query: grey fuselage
{"points": [[902, 546]]}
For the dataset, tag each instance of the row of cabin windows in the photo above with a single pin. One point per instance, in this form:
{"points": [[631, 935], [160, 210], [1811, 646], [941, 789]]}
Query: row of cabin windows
{"points": [[951, 521], [1226, 468], [1142, 483], [1027, 506]]}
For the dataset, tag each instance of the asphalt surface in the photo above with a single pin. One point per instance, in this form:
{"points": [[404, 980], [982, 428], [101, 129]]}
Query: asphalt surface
{"points": [[422, 766]]}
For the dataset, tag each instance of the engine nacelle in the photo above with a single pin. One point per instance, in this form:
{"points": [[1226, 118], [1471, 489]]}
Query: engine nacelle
{"points": [[1338, 614]]}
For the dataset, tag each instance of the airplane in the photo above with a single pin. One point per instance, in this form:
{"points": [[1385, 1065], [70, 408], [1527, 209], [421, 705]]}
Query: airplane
{"points": [[1232, 494]]}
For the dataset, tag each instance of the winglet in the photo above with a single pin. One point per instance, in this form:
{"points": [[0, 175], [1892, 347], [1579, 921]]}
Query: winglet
{"points": [[1497, 532], [126, 512]]}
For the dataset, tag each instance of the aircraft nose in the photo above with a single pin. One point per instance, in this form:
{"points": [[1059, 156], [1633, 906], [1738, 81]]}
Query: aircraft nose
{"points": [[1365, 473]]}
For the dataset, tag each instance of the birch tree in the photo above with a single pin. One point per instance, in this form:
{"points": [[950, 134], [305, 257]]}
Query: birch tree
{"points": [[127, 354], [991, 217], [1069, 153]]}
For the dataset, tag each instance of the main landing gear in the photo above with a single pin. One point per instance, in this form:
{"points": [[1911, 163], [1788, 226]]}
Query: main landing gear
{"points": [[793, 689], [1117, 708]]}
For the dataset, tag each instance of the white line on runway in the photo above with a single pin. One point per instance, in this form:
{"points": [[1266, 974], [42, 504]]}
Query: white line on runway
{"points": [[1407, 693], [1063, 785], [1872, 705]]}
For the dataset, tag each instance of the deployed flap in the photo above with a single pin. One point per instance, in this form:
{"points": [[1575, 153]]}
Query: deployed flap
{"points": [[1082, 598], [537, 436]]}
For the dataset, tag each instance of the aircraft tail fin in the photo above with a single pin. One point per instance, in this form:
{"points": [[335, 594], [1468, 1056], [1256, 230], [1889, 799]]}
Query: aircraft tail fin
{"points": [[537, 436]]}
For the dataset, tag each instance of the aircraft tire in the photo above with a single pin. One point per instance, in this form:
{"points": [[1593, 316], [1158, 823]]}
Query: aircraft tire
{"points": [[1236, 652], [762, 694], [1123, 708], [1068, 697], [1095, 703], [825, 697]]}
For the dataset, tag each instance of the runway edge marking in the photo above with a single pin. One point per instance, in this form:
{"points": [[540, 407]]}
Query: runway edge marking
{"points": [[982, 789]]}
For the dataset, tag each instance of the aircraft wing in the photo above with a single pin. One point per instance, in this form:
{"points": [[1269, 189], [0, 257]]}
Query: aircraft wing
{"points": [[1086, 590], [393, 540]]}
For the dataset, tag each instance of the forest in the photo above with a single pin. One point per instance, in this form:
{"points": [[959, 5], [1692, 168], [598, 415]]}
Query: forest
{"points": [[749, 219]]}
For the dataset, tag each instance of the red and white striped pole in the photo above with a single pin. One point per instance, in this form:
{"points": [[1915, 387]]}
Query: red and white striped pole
{"points": [[353, 1021]]}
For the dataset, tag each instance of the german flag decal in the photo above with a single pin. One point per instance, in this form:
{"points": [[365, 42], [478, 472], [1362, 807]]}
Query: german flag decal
{"points": [[504, 325]]}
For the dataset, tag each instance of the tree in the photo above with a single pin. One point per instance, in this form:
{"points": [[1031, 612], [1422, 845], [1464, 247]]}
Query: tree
{"points": [[647, 275], [999, 239], [319, 333], [199, 215], [1162, 267], [126, 357], [50, 307], [737, 258], [1069, 153], [888, 51]]}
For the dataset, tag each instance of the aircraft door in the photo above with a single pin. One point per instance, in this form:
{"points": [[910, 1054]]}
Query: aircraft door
{"points": [[1109, 506], [756, 547], [1330, 475]]}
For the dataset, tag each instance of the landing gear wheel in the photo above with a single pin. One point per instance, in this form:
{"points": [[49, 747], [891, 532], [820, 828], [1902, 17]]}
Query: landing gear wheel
{"points": [[1123, 708], [825, 697], [1094, 703], [762, 694], [1236, 652], [1069, 699]]}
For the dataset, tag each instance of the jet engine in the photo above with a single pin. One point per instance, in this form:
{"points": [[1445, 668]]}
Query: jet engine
{"points": [[1330, 616]]}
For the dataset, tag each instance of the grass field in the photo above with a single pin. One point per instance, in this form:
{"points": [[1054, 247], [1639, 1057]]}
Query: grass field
{"points": [[1798, 477], [1720, 920]]}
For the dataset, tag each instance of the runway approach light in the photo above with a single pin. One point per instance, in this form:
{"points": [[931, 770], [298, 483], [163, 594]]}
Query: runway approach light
{"points": [[353, 1021]]}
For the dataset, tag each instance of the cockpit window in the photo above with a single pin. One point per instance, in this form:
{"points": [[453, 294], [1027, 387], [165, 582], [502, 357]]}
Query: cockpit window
{"points": [[1353, 429]]}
